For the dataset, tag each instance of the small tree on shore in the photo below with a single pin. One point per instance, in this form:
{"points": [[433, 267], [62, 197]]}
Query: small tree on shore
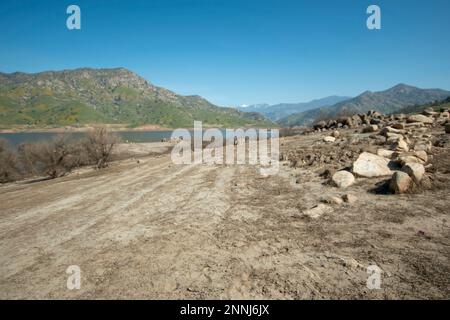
{"points": [[99, 145], [9, 170], [53, 158]]}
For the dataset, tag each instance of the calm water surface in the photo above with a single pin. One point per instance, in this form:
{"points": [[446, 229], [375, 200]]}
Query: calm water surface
{"points": [[16, 139]]}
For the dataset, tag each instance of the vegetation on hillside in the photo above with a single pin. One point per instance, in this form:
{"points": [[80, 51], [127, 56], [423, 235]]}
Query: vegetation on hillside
{"points": [[116, 96]]}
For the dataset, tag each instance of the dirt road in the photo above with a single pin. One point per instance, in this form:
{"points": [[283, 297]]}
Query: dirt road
{"points": [[158, 230]]}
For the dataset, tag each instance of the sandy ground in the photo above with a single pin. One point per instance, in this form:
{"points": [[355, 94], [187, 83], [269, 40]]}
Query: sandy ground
{"points": [[155, 230]]}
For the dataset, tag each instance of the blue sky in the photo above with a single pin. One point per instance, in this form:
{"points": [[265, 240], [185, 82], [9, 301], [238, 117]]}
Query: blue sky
{"points": [[237, 52]]}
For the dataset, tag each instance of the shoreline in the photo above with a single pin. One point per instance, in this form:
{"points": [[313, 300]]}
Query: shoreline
{"points": [[71, 129], [111, 127]]}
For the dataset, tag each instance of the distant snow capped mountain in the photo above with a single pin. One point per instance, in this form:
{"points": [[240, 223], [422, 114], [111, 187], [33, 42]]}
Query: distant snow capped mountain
{"points": [[281, 110]]}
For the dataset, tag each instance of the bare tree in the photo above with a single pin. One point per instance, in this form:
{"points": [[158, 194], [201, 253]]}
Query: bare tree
{"points": [[9, 170], [99, 145], [53, 158]]}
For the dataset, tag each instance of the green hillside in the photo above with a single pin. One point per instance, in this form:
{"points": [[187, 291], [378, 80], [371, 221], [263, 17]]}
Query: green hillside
{"points": [[116, 96]]}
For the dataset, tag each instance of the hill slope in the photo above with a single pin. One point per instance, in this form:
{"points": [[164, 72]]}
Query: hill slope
{"points": [[84, 96], [278, 111], [387, 101]]}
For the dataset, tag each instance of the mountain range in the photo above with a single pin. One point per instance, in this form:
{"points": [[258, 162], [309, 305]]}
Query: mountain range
{"points": [[388, 101], [119, 96], [85, 96], [279, 111]]}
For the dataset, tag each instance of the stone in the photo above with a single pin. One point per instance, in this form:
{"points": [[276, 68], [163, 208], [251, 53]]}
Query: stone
{"points": [[394, 135], [317, 211], [370, 128], [370, 165], [419, 118], [447, 128], [392, 130], [335, 134], [402, 145], [343, 179], [329, 139], [421, 154], [415, 170], [375, 121], [409, 159], [333, 200], [399, 126], [400, 182], [388, 154], [429, 112], [349, 198], [320, 125]]}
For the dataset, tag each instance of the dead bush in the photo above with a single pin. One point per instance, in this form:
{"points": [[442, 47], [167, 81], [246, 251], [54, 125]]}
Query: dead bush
{"points": [[9, 170], [53, 158], [99, 145]]}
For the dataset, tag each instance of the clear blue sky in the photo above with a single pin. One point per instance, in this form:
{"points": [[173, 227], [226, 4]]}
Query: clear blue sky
{"points": [[237, 51]]}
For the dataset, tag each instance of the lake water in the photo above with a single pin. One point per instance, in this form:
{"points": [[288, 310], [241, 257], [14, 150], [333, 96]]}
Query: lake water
{"points": [[15, 139]]}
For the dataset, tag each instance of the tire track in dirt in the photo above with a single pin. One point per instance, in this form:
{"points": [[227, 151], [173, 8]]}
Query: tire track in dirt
{"points": [[80, 191], [62, 224]]}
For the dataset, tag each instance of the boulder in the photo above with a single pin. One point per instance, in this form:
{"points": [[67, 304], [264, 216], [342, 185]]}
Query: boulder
{"points": [[388, 154], [375, 121], [343, 179], [415, 170], [402, 145], [329, 139], [399, 126], [370, 165], [335, 134], [394, 135], [400, 182], [349, 198], [429, 112], [320, 125], [419, 118], [317, 211], [333, 200], [392, 130], [409, 159], [422, 155], [370, 128]]}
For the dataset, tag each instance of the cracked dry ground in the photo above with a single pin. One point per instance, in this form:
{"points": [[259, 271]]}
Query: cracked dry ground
{"points": [[161, 231]]}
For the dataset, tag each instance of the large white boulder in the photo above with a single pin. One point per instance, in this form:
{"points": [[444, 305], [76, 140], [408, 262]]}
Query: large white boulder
{"points": [[370, 165]]}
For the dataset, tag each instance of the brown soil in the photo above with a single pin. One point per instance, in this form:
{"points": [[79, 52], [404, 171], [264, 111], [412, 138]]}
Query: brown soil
{"points": [[151, 229]]}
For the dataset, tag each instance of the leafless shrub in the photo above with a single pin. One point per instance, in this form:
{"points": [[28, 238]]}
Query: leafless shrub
{"points": [[53, 158], [99, 145], [9, 170]]}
